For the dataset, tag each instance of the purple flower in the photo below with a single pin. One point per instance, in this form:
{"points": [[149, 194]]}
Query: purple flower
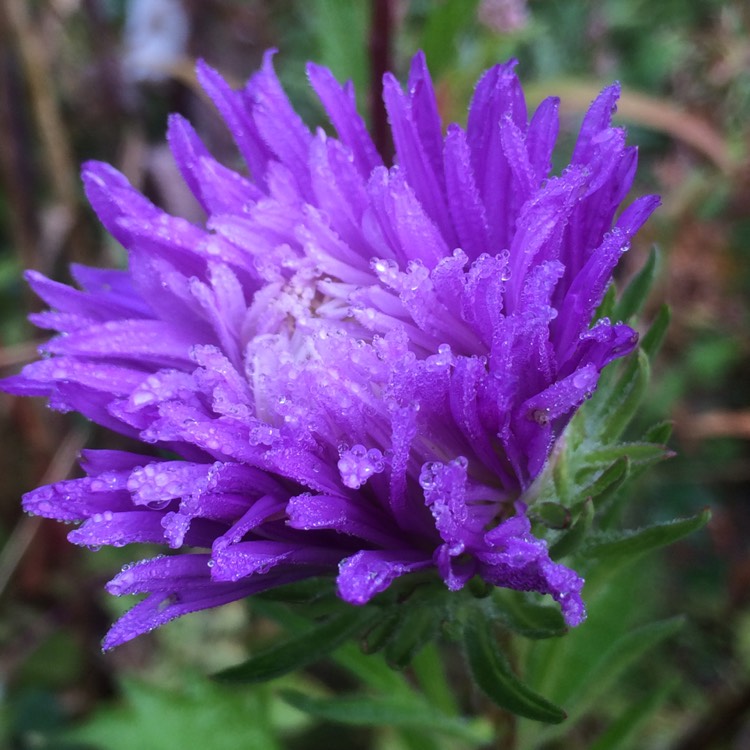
{"points": [[360, 368]]}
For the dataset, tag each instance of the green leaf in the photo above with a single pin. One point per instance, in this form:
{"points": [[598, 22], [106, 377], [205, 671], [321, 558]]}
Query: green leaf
{"points": [[608, 481], [625, 397], [623, 654], [552, 515], [629, 545], [559, 668], [341, 28], [621, 731], [659, 433], [428, 668], [309, 590], [513, 610], [380, 634], [652, 340], [444, 22], [569, 542], [198, 714], [637, 453], [636, 292], [371, 669], [380, 711], [494, 676], [606, 307], [416, 627], [301, 649]]}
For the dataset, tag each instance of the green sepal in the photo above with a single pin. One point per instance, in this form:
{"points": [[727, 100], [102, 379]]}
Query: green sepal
{"points": [[552, 515], [494, 676], [414, 629], [514, 611], [569, 542], [388, 710], [382, 631], [302, 648], [636, 292], [659, 433], [605, 482], [631, 544]]}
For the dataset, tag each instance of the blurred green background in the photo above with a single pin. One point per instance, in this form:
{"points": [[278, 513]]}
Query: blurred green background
{"points": [[82, 79]]}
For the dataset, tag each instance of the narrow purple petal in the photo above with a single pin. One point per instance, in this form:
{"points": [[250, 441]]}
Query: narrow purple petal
{"points": [[465, 204], [542, 135], [218, 189], [147, 341], [341, 108], [597, 119], [238, 119], [368, 573]]}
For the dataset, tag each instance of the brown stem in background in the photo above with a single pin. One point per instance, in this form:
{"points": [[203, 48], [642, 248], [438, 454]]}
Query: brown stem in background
{"points": [[23, 535], [16, 176], [62, 172], [58, 160], [381, 28]]}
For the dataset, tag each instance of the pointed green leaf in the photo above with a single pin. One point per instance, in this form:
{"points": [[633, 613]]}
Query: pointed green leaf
{"points": [[606, 307], [569, 542], [438, 38], [637, 453], [603, 477], [552, 515], [636, 292], [341, 28], [308, 590], [301, 649], [414, 630], [381, 711], [619, 734], [659, 433], [652, 340], [603, 483], [627, 396], [623, 654], [429, 670], [371, 669], [382, 631], [197, 714], [494, 676], [631, 544], [513, 610], [561, 477]]}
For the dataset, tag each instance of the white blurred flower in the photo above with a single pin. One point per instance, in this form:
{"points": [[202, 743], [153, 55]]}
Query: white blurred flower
{"points": [[156, 34]]}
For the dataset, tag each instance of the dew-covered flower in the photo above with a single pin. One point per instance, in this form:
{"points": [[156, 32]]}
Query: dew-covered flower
{"points": [[353, 368]]}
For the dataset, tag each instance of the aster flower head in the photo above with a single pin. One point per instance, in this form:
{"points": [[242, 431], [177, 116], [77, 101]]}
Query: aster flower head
{"points": [[356, 369]]}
